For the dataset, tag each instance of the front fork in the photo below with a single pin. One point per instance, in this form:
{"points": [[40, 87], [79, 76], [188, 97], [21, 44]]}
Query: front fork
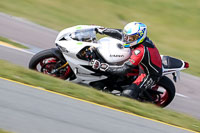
{"points": [[57, 69]]}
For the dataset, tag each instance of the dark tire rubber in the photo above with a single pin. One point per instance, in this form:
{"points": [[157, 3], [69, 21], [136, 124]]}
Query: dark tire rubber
{"points": [[40, 56], [166, 83]]}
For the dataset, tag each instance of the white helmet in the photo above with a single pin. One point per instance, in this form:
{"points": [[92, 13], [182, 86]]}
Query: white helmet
{"points": [[134, 33]]}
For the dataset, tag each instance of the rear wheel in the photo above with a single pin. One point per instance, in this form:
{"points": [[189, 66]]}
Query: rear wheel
{"points": [[164, 92], [47, 63]]}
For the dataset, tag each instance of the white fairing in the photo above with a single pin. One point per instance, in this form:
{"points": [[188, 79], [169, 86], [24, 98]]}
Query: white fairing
{"points": [[112, 50]]}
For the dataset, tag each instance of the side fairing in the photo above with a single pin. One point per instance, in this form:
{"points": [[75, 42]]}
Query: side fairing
{"points": [[83, 74], [71, 48]]}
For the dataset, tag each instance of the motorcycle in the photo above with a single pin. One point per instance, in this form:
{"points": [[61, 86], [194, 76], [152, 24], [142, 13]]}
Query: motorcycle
{"points": [[76, 48]]}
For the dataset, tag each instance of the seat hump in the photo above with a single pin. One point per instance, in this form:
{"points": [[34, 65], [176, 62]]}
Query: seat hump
{"points": [[170, 62]]}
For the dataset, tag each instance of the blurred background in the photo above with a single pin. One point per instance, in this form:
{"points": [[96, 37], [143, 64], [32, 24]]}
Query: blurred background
{"points": [[173, 25]]}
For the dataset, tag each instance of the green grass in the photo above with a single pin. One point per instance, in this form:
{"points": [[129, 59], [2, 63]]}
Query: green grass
{"points": [[3, 131], [30, 77], [173, 25], [13, 43]]}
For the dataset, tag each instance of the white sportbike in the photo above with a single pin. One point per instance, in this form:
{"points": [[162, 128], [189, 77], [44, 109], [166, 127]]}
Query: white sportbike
{"points": [[77, 46]]}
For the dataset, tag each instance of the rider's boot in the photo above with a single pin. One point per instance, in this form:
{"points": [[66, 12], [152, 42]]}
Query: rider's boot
{"points": [[132, 91]]}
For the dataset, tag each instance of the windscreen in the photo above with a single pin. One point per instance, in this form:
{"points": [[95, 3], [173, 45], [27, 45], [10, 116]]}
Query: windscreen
{"points": [[87, 35]]}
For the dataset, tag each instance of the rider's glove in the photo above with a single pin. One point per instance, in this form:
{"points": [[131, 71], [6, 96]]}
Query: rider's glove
{"points": [[104, 67], [97, 65], [100, 30]]}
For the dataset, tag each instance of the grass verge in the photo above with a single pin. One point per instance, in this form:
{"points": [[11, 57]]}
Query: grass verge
{"points": [[3, 131], [30, 77], [13, 43]]}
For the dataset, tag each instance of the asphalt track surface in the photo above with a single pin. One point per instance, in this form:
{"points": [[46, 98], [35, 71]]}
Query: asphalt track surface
{"points": [[26, 32], [38, 38], [24, 109]]}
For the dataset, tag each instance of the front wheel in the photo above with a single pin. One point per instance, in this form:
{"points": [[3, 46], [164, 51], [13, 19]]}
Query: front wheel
{"points": [[47, 63], [164, 92]]}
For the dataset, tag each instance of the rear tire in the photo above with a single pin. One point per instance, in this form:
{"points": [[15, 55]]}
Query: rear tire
{"points": [[170, 91]]}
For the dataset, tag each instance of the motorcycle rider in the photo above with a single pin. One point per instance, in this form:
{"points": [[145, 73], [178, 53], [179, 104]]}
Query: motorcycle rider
{"points": [[144, 54]]}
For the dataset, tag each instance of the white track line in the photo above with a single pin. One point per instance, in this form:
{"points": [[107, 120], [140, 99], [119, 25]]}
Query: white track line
{"points": [[181, 95]]}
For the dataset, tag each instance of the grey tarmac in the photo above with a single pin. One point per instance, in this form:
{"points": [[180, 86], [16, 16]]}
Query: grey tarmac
{"points": [[25, 109]]}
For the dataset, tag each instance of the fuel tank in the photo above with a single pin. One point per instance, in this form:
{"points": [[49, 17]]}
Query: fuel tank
{"points": [[112, 50]]}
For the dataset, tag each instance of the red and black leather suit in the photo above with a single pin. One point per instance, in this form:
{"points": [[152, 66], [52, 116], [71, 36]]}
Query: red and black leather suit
{"points": [[144, 55]]}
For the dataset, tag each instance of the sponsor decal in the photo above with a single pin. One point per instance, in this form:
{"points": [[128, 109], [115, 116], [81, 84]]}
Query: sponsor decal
{"points": [[114, 55], [78, 27], [79, 43], [136, 52], [149, 83]]}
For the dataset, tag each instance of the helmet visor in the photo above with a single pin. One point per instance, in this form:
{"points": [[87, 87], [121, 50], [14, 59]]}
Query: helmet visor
{"points": [[130, 38]]}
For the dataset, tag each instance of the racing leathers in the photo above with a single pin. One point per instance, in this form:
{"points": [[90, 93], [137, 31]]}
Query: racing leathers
{"points": [[144, 55]]}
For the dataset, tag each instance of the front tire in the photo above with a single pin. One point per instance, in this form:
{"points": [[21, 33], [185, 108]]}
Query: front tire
{"points": [[46, 62]]}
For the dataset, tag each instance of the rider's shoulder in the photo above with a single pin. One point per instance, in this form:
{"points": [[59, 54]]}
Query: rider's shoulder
{"points": [[148, 43]]}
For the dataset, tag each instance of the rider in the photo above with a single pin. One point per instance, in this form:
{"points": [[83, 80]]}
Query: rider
{"points": [[144, 55]]}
